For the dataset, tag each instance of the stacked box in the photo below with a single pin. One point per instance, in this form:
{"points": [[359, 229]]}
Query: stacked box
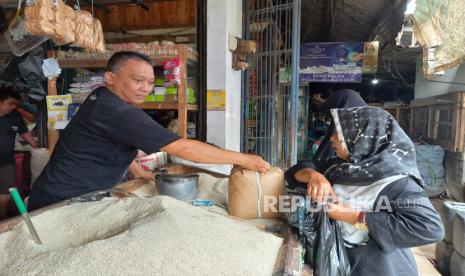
{"points": [[451, 251]]}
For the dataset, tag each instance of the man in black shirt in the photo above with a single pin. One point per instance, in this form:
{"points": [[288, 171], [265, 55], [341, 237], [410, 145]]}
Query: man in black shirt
{"points": [[11, 123], [102, 139]]}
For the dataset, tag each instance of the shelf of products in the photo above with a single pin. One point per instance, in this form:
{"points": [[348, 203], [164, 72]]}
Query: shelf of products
{"points": [[166, 106], [101, 62], [186, 57]]}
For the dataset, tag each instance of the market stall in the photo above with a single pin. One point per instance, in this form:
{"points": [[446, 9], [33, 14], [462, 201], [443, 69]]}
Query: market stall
{"points": [[144, 235]]}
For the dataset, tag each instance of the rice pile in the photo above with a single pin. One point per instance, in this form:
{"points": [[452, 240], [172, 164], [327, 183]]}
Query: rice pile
{"points": [[137, 236]]}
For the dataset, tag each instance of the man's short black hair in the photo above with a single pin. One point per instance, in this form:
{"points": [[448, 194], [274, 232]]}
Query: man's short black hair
{"points": [[120, 58], [8, 92]]}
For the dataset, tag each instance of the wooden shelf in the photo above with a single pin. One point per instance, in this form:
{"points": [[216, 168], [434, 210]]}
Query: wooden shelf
{"points": [[452, 138], [88, 62], [166, 106], [182, 107]]}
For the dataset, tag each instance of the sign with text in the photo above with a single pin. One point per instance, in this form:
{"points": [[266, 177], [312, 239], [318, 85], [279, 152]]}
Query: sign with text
{"points": [[370, 57], [331, 62], [216, 100], [57, 111]]}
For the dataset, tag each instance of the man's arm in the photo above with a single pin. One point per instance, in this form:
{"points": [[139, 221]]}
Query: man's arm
{"points": [[196, 151], [30, 139]]}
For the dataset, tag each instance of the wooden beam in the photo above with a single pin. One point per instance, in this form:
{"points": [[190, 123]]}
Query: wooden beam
{"points": [[190, 38], [98, 5], [52, 133], [182, 94]]}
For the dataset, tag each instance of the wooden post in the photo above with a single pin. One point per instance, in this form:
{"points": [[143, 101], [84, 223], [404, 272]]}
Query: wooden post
{"points": [[412, 133], [461, 126], [430, 122], [182, 94], [52, 133], [52, 90]]}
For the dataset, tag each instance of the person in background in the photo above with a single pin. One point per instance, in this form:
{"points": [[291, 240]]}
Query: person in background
{"points": [[103, 138], [308, 173], [11, 123]]}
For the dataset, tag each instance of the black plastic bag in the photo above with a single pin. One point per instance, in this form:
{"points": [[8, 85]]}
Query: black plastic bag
{"points": [[32, 78], [322, 240]]}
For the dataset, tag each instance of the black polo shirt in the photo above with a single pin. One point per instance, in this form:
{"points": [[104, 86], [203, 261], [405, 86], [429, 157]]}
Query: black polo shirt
{"points": [[10, 124], [96, 147]]}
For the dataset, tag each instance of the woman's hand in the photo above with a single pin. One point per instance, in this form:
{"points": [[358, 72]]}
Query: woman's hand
{"points": [[318, 187], [342, 212]]}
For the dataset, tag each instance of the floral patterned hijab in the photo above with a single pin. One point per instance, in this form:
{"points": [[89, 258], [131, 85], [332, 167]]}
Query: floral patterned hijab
{"points": [[378, 147]]}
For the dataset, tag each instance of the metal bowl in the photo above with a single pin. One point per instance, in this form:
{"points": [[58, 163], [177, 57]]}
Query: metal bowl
{"points": [[180, 186]]}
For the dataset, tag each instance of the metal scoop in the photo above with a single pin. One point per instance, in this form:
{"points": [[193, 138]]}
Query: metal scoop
{"points": [[23, 211]]}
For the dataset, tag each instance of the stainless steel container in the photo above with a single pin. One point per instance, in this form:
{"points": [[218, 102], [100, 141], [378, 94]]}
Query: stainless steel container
{"points": [[180, 186]]}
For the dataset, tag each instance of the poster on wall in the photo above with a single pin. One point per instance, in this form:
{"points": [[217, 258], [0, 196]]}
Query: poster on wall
{"points": [[216, 100], [331, 62], [57, 111], [370, 57]]}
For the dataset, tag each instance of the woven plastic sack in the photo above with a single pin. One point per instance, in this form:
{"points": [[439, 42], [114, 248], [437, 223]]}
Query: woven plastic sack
{"points": [[255, 195], [39, 159], [430, 159]]}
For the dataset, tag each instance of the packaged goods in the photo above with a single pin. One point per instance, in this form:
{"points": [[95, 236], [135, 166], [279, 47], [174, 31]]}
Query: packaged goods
{"points": [[255, 195]]}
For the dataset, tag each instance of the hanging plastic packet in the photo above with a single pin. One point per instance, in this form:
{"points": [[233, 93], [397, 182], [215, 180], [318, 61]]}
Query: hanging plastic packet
{"points": [[51, 68], [172, 69], [18, 40]]}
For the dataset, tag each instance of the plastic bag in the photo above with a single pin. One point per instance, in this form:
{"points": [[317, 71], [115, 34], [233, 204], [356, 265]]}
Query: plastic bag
{"points": [[50, 68], [32, 77], [430, 160], [18, 40], [321, 239]]}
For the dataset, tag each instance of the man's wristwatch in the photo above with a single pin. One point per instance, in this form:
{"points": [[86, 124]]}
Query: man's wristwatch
{"points": [[361, 223]]}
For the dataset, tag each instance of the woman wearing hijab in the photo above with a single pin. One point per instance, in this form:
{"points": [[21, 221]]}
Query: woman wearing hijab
{"points": [[307, 173], [382, 209]]}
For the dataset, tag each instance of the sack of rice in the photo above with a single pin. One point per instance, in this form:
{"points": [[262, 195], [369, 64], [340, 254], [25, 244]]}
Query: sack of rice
{"points": [[255, 195]]}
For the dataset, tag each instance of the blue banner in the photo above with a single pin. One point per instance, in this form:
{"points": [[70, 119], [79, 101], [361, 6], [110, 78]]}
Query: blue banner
{"points": [[331, 62]]}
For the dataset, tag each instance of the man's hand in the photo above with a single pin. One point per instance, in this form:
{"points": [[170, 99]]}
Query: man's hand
{"points": [[255, 163], [142, 175], [342, 212], [137, 172], [196, 151], [30, 139]]}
